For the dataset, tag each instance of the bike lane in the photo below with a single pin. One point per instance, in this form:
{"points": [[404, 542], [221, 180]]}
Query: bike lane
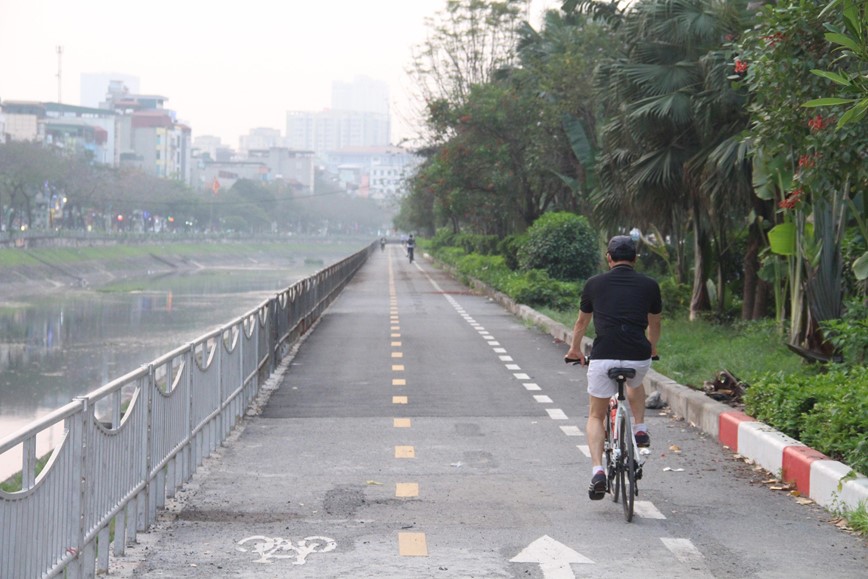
{"points": [[422, 431]]}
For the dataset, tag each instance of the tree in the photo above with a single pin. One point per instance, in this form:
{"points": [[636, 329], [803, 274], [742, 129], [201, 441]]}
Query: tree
{"points": [[24, 167], [468, 42], [809, 170], [852, 74], [669, 133]]}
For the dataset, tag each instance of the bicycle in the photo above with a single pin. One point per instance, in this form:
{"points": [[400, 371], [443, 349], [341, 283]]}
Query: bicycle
{"points": [[623, 460]]}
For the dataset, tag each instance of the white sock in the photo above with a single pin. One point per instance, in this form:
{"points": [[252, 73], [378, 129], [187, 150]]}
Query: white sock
{"points": [[596, 469], [639, 427]]}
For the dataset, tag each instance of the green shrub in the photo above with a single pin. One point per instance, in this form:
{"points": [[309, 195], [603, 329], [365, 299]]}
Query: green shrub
{"points": [[849, 334], [563, 244], [676, 296], [475, 243], [443, 238], [536, 288], [837, 425], [826, 411], [509, 247], [488, 269]]}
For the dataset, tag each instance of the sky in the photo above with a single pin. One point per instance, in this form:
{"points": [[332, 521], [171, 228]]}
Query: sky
{"points": [[225, 67]]}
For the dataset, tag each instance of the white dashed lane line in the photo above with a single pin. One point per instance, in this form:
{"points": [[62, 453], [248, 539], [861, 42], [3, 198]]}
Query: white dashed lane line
{"points": [[643, 509]]}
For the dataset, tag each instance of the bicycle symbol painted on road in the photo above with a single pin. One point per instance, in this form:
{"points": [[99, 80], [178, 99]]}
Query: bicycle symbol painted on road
{"points": [[273, 548]]}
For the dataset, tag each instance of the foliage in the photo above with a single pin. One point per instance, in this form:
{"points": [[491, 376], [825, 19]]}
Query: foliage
{"points": [[467, 43], [502, 151], [857, 517], [827, 411], [670, 155], [849, 334], [852, 41], [676, 296], [562, 244], [509, 247], [536, 288]]}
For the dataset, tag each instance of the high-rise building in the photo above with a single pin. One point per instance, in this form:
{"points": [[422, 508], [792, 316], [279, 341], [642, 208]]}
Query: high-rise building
{"points": [[363, 94], [359, 117], [95, 86]]}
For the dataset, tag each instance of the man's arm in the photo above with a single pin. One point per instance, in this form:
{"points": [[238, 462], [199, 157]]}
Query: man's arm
{"points": [[654, 331], [579, 329]]}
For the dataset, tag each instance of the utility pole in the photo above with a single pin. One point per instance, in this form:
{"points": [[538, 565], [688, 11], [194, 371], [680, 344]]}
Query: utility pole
{"points": [[59, 70]]}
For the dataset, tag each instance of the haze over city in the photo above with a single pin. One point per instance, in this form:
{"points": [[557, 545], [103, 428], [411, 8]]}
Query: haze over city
{"points": [[225, 68]]}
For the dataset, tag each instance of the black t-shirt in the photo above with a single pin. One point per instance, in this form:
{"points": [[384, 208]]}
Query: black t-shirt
{"points": [[620, 301]]}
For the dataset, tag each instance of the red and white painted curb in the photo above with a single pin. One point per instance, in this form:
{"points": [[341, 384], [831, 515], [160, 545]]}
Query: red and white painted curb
{"points": [[827, 482]]}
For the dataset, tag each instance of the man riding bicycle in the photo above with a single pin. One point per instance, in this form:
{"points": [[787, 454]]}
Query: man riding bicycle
{"points": [[623, 304]]}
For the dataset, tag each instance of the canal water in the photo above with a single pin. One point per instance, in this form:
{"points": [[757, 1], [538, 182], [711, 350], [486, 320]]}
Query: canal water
{"points": [[62, 345]]}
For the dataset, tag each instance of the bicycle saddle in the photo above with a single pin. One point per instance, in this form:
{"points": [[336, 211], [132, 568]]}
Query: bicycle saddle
{"points": [[625, 372]]}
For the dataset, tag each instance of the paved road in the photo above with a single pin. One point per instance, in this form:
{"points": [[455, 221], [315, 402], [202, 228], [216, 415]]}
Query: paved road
{"points": [[422, 431]]}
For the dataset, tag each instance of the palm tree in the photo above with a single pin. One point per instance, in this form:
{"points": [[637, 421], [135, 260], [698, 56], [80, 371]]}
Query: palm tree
{"points": [[669, 149]]}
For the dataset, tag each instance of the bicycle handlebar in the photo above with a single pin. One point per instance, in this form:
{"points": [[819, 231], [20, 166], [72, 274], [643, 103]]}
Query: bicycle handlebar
{"points": [[576, 361]]}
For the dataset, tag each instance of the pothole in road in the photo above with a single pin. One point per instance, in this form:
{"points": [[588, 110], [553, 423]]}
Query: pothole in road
{"points": [[344, 501]]}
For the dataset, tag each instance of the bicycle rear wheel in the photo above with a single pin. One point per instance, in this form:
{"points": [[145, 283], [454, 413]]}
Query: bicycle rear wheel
{"points": [[627, 474], [608, 446]]}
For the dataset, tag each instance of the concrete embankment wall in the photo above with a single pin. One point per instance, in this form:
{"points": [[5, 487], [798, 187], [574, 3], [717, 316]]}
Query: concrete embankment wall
{"points": [[55, 264]]}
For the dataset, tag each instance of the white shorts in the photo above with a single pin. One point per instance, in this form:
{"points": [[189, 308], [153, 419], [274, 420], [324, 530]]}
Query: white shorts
{"points": [[599, 383]]}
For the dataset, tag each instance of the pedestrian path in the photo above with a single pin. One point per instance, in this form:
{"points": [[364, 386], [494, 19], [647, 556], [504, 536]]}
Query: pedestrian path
{"points": [[422, 430]]}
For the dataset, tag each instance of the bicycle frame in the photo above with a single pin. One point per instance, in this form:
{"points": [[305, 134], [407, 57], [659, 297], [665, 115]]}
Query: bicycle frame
{"points": [[621, 481]]}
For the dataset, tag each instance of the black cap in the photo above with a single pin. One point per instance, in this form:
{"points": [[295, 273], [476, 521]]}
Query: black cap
{"points": [[622, 248]]}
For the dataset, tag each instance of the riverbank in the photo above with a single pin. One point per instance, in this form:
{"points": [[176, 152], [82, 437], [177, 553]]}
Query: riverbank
{"points": [[68, 266]]}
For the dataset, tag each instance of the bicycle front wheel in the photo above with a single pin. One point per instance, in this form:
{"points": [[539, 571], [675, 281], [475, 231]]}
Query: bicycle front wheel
{"points": [[627, 475]]}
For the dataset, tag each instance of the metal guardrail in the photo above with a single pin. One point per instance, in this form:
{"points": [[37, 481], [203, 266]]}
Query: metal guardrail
{"points": [[132, 443]]}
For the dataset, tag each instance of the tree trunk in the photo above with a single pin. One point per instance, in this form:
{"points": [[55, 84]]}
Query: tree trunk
{"points": [[699, 298], [751, 269], [760, 300]]}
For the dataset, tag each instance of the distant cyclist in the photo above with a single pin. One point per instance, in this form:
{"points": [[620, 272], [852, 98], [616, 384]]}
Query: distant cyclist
{"points": [[411, 246], [623, 305]]}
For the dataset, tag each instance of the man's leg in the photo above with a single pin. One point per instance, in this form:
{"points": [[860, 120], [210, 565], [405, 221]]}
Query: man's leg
{"points": [[596, 434], [636, 398]]}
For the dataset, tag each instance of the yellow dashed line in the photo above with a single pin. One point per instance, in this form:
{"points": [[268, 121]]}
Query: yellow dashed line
{"points": [[397, 367], [399, 382], [399, 399], [412, 545], [396, 344], [395, 335], [402, 423], [406, 490], [397, 354], [395, 328], [405, 452]]}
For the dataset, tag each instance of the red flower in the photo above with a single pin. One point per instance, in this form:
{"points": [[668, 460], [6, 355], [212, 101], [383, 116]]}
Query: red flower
{"points": [[791, 200], [740, 66], [773, 39], [816, 123], [807, 161]]}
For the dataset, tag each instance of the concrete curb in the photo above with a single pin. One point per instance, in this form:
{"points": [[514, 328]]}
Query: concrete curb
{"points": [[827, 482]]}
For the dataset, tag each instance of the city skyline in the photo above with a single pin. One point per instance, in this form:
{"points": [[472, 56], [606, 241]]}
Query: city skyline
{"points": [[258, 64]]}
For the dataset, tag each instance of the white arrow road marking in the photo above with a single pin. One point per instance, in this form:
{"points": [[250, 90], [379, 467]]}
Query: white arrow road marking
{"points": [[687, 553], [647, 510], [553, 558]]}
